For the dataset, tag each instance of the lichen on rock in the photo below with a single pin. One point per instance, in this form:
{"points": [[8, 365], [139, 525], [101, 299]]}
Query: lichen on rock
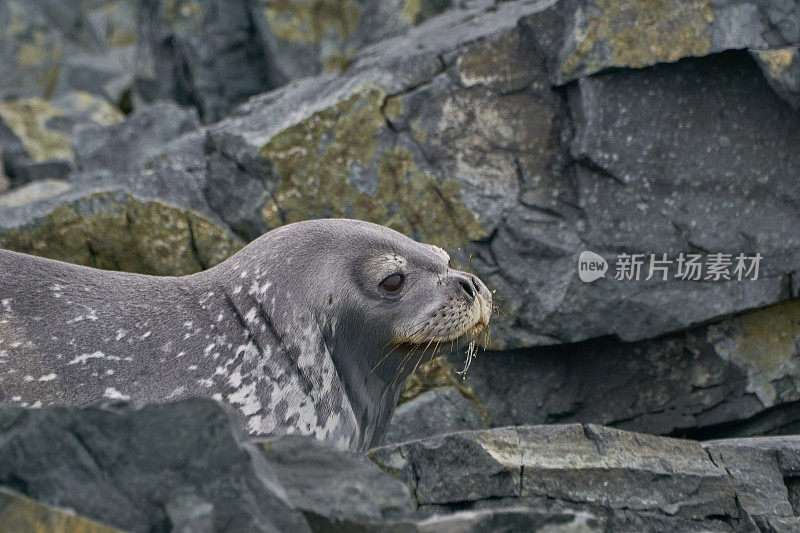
{"points": [[765, 345], [615, 33], [320, 162], [102, 230]]}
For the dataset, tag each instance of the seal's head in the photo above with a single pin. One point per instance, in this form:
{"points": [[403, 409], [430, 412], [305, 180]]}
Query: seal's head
{"points": [[384, 301]]}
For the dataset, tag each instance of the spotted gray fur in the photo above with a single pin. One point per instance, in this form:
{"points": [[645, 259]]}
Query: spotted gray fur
{"points": [[294, 331]]}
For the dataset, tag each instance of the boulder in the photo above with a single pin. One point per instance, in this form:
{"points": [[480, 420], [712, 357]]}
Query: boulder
{"points": [[35, 134], [303, 37], [603, 34], [441, 410], [332, 487], [201, 53], [125, 146], [765, 472], [631, 481], [138, 470], [111, 228]]}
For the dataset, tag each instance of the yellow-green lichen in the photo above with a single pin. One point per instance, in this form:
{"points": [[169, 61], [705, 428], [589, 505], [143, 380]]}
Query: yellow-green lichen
{"points": [[183, 15], [777, 61], [764, 344], [314, 159], [309, 21], [411, 10], [637, 34], [338, 60], [418, 132], [91, 106], [27, 119], [146, 237], [20, 513], [42, 59]]}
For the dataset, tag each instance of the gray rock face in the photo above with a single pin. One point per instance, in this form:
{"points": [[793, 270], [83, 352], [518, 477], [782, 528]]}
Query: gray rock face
{"points": [[493, 162], [735, 377], [199, 53], [600, 35], [632, 481], [453, 133], [49, 48], [330, 486], [441, 410], [124, 147], [135, 469]]}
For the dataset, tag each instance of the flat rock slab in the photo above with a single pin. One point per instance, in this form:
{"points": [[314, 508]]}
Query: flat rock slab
{"points": [[632, 481]]}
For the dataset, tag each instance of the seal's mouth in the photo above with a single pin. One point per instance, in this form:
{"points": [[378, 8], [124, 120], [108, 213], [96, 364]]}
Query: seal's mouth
{"points": [[439, 332]]}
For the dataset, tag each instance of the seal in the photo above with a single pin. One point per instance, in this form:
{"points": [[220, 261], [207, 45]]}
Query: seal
{"points": [[309, 329]]}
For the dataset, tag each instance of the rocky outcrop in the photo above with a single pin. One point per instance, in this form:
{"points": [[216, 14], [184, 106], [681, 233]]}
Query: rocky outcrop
{"points": [[514, 134], [737, 377], [162, 466], [111, 228], [453, 133], [36, 134], [632, 482], [502, 133], [187, 467]]}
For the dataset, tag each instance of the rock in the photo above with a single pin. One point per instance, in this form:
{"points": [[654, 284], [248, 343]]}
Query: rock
{"points": [[453, 134], [111, 229], [332, 487], [34, 191], [667, 167], [124, 147], [632, 481], [503, 519], [442, 410], [765, 471], [35, 134], [304, 37], [18, 513], [737, 377], [133, 469], [49, 48], [401, 139], [4, 183], [602, 34], [781, 68], [202, 53]]}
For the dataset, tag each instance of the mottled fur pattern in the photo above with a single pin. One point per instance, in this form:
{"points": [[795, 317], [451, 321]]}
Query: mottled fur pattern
{"points": [[294, 331]]}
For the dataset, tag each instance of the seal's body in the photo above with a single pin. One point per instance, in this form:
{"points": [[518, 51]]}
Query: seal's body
{"points": [[309, 329]]}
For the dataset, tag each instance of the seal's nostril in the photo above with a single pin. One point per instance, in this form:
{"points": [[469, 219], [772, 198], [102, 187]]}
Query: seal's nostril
{"points": [[475, 284], [467, 286]]}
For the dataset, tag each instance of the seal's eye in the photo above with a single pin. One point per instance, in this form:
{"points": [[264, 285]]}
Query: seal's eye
{"points": [[392, 283]]}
